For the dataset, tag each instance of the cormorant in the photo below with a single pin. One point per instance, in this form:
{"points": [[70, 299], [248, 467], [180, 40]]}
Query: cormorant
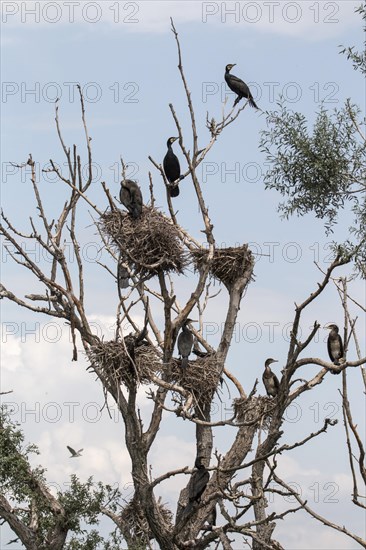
{"points": [[199, 480], [131, 197], [238, 86], [172, 167], [270, 380], [122, 276], [185, 343], [334, 344], [133, 341], [74, 454], [211, 518], [196, 487]]}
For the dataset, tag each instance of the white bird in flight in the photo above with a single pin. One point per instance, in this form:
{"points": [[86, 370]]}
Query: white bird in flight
{"points": [[74, 454]]}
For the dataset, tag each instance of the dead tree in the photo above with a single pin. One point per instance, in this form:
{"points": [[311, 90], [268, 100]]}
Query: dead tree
{"points": [[155, 246]]}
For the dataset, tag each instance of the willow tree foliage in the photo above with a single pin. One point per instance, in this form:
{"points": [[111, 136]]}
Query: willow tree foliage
{"points": [[322, 170]]}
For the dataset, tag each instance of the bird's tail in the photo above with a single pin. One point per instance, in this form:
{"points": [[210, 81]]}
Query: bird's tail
{"points": [[174, 191], [252, 103], [184, 362], [336, 363]]}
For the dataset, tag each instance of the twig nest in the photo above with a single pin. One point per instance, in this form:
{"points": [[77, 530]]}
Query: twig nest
{"points": [[200, 378], [148, 244], [135, 519], [228, 264], [114, 360], [257, 410]]}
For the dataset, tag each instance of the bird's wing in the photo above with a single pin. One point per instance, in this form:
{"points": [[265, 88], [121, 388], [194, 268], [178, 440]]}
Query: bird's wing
{"points": [[236, 80], [239, 85], [122, 276], [340, 345], [276, 382], [137, 196], [125, 196], [329, 348], [200, 483], [72, 451], [171, 167]]}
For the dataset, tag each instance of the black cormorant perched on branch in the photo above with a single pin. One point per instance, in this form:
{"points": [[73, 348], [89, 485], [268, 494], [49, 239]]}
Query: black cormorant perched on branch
{"points": [[270, 380], [197, 486], [238, 86], [172, 167], [334, 344], [131, 197], [185, 343], [199, 480]]}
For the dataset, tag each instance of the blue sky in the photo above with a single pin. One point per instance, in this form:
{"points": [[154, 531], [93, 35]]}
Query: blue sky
{"points": [[126, 64]]}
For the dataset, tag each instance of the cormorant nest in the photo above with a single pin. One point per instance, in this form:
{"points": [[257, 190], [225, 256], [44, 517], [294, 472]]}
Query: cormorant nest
{"points": [[114, 360], [147, 244], [257, 410], [200, 378], [134, 518], [228, 264]]}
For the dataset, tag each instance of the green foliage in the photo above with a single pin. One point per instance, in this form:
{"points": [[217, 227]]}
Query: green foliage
{"points": [[82, 502], [16, 477], [321, 171], [87, 541], [358, 58]]}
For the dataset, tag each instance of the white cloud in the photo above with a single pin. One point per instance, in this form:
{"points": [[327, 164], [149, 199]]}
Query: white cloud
{"points": [[11, 356], [291, 469], [170, 453]]}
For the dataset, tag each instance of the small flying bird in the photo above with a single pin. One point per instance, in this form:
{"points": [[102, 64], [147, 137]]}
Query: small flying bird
{"points": [[185, 343], [172, 168], [131, 197], [270, 380], [239, 87], [334, 344], [74, 454]]}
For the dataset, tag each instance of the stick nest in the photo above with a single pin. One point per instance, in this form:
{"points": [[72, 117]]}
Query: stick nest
{"points": [[147, 244], [200, 378], [228, 264], [113, 359], [255, 409], [134, 517]]}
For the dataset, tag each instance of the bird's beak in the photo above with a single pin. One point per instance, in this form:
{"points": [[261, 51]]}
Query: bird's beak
{"points": [[326, 327], [175, 139], [275, 361], [233, 64]]}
